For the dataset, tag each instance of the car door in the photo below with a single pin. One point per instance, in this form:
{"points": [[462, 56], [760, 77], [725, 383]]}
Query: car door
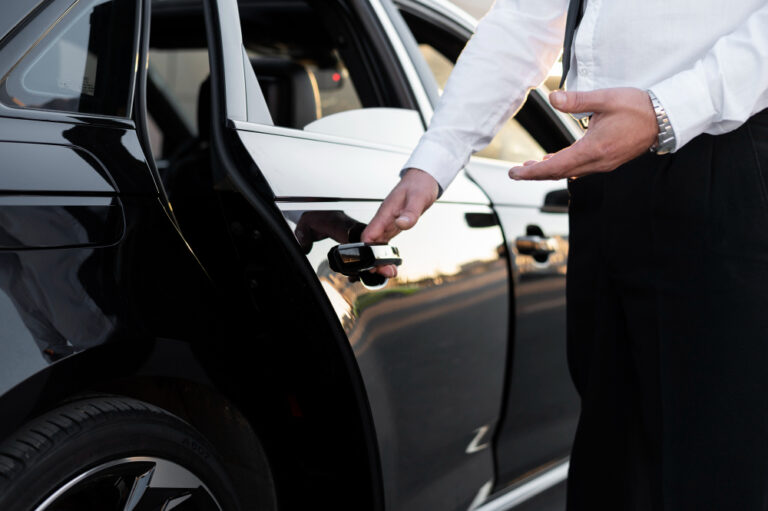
{"points": [[540, 404], [430, 344]]}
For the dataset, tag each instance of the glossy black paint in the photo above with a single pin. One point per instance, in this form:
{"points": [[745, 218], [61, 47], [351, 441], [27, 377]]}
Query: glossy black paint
{"points": [[430, 345], [197, 296], [89, 156], [27, 168], [335, 429], [28, 221], [135, 312]]}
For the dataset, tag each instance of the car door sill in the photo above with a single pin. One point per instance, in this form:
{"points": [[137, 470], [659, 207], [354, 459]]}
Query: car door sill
{"points": [[528, 488]]}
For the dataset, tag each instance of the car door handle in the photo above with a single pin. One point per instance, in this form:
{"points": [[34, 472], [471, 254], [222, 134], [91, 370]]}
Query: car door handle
{"points": [[535, 245], [353, 259]]}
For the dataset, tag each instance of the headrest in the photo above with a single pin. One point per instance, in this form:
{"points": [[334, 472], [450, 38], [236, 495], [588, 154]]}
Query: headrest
{"points": [[290, 91]]}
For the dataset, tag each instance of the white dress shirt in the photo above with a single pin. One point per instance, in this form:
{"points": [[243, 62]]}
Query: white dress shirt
{"points": [[706, 61]]}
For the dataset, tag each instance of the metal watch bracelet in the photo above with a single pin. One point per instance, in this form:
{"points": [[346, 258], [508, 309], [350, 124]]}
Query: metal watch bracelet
{"points": [[666, 141]]}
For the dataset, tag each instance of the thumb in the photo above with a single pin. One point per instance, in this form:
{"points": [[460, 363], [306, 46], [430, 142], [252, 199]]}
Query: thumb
{"points": [[578, 102], [407, 219], [410, 214]]}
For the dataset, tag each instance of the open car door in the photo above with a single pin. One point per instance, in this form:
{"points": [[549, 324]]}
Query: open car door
{"points": [[308, 130]]}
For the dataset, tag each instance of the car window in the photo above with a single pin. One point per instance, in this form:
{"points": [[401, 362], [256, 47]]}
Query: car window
{"points": [[310, 60], [512, 142], [301, 90], [179, 73], [84, 63], [178, 86]]}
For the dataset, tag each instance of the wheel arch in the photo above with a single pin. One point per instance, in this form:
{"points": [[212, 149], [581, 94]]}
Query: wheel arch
{"points": [[242, 410]]}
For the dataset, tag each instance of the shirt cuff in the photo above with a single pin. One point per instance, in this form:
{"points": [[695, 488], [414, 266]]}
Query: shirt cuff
{"points": [[688, 103], [436, 161]]}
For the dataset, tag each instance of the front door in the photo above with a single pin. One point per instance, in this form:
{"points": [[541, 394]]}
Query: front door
{"points": [[430, 344], [541, 405]]}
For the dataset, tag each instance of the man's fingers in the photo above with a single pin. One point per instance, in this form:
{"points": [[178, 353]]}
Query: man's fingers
{"points": [[560, 165], [579, 102], [389, 271], [380, 228], [402, 208]]}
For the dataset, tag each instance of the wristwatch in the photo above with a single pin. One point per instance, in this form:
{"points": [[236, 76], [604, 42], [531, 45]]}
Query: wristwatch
{"points": [[667, 141]]}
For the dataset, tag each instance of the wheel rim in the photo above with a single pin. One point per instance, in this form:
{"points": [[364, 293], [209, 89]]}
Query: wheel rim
{"points": [[133, 484]]}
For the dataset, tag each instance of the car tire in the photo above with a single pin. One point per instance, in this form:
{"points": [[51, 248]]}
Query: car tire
{"points": [[112, 452]]}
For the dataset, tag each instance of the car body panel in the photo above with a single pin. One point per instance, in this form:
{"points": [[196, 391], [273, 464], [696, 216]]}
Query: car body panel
{"points": [[433, 379], [541, 406], [433, 382], [340, 168], [92, 256]]}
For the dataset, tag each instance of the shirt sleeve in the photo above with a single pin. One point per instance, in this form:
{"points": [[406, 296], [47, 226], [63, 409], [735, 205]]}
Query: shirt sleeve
{"points": [[512, 50], [722, 89]]}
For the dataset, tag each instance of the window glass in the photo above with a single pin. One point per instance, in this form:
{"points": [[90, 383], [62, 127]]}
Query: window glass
{"points": [[512, 142], [307, 60], [85, 64], [301, 90], [179, 74], [178, 85], [336, 90]]}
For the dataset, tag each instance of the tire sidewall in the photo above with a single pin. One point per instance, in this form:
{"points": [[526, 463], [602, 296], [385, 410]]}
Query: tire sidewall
{"points": [[112, 437]]}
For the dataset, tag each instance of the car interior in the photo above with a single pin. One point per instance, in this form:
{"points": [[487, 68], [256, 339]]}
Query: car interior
{"points": [[308, 57], [312, 59]]}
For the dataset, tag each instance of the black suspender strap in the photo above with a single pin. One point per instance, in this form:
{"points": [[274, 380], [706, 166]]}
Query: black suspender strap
{"points": [[575, 13]]}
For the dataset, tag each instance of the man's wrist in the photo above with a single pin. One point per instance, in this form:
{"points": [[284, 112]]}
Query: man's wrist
{"points": [[423, 174]]}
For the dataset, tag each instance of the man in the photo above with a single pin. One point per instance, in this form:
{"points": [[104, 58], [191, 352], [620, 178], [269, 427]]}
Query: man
{"points": [[668, 270]]}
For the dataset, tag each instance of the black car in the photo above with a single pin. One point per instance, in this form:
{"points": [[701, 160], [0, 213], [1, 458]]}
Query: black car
{"points": [[178, 329]]}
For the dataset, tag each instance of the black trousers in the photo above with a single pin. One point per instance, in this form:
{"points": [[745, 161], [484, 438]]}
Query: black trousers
{"points": [[668, 329]]}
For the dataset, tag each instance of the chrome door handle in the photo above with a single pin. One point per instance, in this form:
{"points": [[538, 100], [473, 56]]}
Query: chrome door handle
{"points": [[535, 245], [353, 259]]}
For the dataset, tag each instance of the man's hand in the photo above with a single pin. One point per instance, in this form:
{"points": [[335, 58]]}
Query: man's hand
{"points": [[407, 201], [623, 126]]}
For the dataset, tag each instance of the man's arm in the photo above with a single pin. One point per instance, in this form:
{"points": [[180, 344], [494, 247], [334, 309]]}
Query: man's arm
{"points": [[512, 51], [716, 95], [725, 87]]}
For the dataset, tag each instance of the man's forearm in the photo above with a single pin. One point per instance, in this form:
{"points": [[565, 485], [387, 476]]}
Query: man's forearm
{"points": [[481, 94], [725, 87]]}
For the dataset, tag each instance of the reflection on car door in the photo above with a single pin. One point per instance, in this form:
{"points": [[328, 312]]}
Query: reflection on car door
{"points": [[540, 405], [431, 344]]}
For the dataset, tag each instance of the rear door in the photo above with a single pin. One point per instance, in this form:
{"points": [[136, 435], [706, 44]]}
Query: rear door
{"points": [[328, 121], [74, 177], [540, 404]]}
